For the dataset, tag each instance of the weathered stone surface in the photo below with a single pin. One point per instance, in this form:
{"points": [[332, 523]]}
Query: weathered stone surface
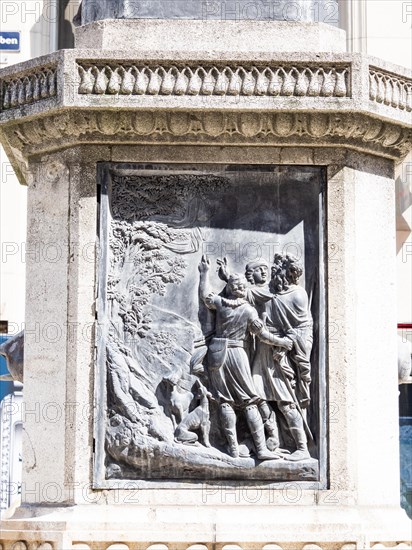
{"points": [[219, 513], [272, 10], [295, 99], [357, 136], [220, 37], [134, 527], [390, 89], [204, 80], [285, 129]]}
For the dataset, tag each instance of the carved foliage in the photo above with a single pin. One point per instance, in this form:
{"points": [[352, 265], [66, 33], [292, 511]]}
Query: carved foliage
{"points": [[310, 81], [144, 244], [390, 90], [147, 197], [34, 86], [150, 245]]}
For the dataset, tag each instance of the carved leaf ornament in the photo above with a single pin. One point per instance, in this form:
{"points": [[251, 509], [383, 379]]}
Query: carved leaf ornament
{"points": [[30, 88], [390, 90], [202, 80], [221, 81]]}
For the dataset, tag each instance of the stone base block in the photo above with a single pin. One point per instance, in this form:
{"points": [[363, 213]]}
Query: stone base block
{"points": [[221, 37], [93, 527]]}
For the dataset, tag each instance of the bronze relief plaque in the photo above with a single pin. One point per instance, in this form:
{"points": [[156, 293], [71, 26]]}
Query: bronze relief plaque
{"points": [[211, 333]]}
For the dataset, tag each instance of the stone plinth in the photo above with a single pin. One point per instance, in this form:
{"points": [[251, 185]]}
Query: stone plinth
{"points": [[217, 37], [65, 113]]}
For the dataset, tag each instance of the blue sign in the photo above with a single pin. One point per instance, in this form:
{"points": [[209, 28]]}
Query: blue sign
{"points": [[10, 41], [5, 387]]}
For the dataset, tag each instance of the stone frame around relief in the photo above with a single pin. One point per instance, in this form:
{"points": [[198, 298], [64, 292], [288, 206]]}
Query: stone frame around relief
{"points": [[105, 173]]}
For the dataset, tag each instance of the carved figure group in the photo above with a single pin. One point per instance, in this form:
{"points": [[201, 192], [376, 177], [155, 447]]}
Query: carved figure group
{"points": [[205, 374], [258, 360]]}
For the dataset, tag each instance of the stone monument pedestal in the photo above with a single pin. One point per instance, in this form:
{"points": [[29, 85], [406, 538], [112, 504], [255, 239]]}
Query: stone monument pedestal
{"points": [[64, 115]]}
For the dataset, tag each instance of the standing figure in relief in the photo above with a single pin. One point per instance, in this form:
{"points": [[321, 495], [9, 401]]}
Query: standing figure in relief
{"points": [[259, 295], [282, 377], [228, 364]]}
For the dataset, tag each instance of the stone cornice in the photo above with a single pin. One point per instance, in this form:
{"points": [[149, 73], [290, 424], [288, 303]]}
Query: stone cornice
{"points": [[78, 96], [57, 131]]}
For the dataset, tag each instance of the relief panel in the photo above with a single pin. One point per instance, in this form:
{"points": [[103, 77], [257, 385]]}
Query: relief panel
{"points": [[211, 304]]}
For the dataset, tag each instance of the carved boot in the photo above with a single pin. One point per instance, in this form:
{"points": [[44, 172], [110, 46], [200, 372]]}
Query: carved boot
{"points": [[257, 431], [271, 426], [270, 421], [271, 429], [228, 417], [297, 431]]}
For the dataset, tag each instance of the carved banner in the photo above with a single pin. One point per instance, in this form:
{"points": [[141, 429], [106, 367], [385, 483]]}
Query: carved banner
{"points": [[210, 360]]}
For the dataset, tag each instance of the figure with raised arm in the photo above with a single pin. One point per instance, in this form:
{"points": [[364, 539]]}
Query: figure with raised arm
{"points": [[258, 294], [228, 364]]}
